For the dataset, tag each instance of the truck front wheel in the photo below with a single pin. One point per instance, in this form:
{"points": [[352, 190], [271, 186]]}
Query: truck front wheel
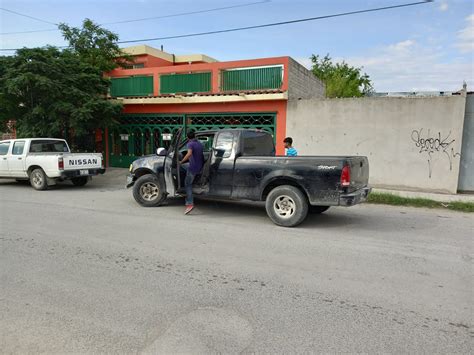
{"points": [[149, 191], [286, 206], [38, 179]]}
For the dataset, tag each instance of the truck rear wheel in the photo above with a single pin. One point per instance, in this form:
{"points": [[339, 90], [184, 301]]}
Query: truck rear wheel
{"points": [[318, 209], [80, 181], [38, 179], [286, 206], [149, 191]]}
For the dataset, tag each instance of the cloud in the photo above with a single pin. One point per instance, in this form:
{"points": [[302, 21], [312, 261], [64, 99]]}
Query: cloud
{"points": [[465, 37], [411, 66], [443, 6]]}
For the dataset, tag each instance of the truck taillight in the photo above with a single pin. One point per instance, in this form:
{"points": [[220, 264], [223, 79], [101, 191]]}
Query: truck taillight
{"points": [[60, 163], [346, 176]]}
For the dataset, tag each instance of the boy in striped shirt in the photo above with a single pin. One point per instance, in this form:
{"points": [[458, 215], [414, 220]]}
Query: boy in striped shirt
{"points": [[290, 151]]}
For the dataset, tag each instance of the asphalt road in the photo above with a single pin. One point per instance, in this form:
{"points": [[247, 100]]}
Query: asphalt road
{"points": [[88, 270]]}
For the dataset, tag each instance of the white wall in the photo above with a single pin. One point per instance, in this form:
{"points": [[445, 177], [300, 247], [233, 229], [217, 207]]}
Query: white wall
{"points": [[411, 143]]}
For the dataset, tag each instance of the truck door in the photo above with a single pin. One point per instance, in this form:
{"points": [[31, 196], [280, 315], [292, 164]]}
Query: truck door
{"points": [[171, 167], [222, 164], [4, 148], [16, 159]]}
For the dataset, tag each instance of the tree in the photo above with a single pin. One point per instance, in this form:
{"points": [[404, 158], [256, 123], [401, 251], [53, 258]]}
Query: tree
{"points": [[341, 79], [5, 100], [52, 92], [95, 45]]}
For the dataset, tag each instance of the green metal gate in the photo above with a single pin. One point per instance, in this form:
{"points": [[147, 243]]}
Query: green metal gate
{"points": [[142, 134]]}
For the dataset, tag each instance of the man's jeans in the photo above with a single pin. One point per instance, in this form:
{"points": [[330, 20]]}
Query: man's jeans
{"points": [[188, 184]]}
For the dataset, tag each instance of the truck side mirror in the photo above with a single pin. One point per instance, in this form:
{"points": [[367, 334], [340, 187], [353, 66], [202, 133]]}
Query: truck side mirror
{"points": [[161, 151]]}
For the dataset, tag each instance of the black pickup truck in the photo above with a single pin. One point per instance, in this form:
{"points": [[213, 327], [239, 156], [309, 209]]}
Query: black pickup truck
{"points": [[240, 164]]}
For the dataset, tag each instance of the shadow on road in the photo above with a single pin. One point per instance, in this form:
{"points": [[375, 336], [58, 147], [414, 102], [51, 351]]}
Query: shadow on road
{"points": [[335, 217]]}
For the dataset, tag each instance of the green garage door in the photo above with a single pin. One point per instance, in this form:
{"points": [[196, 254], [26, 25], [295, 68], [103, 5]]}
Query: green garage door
{"points": [[141, 134]]}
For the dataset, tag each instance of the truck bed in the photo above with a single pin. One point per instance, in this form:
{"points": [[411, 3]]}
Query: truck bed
{"points": [[320, 176]]}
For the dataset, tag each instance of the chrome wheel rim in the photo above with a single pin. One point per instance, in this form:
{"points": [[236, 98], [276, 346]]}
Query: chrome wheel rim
{"points": [[284, 206], [149, 191], [37, 178]]}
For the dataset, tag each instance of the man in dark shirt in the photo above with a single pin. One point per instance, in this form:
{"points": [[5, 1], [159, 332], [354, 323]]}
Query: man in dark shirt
{"points": [[196, 161]]}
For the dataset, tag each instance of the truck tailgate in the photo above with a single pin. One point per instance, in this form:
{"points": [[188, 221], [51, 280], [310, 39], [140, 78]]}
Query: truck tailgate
{"points": [[82, 161], [359, 172]]}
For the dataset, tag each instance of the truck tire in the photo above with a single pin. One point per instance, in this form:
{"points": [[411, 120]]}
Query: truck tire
{"points": [[38, 179], [149, 191], [80, 181], [286, 206], [318, 209]]}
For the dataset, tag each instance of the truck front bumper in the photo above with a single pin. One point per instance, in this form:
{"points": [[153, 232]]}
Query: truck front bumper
{"points": [[130, 180], [355, 197]]}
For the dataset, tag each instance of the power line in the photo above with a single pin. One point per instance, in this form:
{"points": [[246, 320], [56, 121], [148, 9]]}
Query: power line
{"points": [[151, 18], [32, 31], [266, 25], [28, 16], [189, 13], [276, 23]]}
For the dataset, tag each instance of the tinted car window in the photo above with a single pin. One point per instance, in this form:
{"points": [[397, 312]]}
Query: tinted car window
{"points": [[18, 148], [257, 143], [48, 146], [4, 148], [224, 143]]}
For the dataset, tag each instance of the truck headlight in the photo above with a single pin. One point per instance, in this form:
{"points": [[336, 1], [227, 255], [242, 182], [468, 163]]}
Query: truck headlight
{"points": [[130, 168]]}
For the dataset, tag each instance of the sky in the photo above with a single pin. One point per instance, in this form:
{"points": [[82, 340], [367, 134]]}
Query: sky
{"points": [[427, 47]]}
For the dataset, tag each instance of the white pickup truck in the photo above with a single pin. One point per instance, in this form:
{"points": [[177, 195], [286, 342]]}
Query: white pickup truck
{"points": [[44, 161]]}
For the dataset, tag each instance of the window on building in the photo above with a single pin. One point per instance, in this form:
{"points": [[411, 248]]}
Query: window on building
{"points": [[134, 66]]}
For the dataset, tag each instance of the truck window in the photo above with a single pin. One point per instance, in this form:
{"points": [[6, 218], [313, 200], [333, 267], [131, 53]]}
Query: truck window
{"points": [[224, 143], [4, 148], [48, 146], [257, 144], [18, 148]]}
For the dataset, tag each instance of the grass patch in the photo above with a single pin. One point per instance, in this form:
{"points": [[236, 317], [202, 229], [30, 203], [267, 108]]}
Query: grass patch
{"points": [[394, 200]]}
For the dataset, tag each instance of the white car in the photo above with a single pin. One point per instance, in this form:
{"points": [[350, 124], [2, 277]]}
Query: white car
{"points": [[44, 161]]}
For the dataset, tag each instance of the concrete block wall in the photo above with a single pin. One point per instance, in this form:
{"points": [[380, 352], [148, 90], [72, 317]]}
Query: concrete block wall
{"points": [[412, 143], [302, 84]]}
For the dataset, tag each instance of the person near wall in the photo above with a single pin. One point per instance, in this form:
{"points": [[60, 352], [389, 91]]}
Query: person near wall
{"points": [[196, 161], [290, 150]]}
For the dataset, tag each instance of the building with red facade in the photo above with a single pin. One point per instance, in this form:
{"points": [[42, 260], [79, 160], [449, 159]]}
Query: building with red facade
{"points": [[163, 92]]}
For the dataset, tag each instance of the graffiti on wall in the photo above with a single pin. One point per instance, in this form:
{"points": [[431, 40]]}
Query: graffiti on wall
{"points": [[431, 145]]}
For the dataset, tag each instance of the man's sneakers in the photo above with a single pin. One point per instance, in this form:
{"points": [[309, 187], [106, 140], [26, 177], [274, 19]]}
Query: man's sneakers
{"points": [[188, 209]]}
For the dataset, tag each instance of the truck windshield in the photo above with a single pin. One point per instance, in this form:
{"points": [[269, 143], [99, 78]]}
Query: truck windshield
{"points": [[48, 146]]}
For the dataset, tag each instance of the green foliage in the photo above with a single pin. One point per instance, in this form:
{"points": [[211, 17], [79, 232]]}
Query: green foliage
{"points": [[6, 103], [50, 92], [341, 79], [94, 45]]}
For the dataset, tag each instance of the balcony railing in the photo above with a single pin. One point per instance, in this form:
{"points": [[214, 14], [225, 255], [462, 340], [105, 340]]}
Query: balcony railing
{"points": [[132, 86], [185, 83], [252, 79]]}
